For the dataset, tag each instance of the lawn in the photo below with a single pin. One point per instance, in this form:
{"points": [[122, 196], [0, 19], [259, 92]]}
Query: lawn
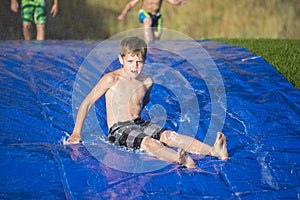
{"points": [[283, 54]]}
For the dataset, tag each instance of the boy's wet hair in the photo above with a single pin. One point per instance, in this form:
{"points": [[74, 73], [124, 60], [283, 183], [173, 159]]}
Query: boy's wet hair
{"points": [[133, 45]]}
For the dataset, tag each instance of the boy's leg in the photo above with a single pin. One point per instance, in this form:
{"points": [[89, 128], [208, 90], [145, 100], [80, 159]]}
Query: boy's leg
{"points": [[148, 29], [157, 35], [40, 19], [192, 145], [160, 151], [27, 30], [158, 29], [40, 30]]}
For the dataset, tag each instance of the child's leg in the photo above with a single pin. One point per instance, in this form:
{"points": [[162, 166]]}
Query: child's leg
{"points": [[148, 29], [158, 31], [40, 29], [27, 30], [157, 35], [160, 151], [192, 145]]}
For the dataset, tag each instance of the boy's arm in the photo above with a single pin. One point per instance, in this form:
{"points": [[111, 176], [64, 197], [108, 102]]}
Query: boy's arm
{"points": [[14, 5], [127, 8], [148, 84], [54, 9], [100, 89], [177, 2]]}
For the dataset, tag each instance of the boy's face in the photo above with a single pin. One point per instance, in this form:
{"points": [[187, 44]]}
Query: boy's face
{"points": [[133, 64]]}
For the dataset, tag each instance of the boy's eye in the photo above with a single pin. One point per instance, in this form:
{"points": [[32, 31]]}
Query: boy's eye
{"points": [[132, 61]]}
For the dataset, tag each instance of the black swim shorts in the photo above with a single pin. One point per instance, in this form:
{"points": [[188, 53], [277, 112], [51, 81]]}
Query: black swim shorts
{"points": [[131, 133]]}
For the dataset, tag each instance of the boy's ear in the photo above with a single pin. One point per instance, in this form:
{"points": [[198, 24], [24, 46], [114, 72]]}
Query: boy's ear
{"points": [[121, 59]]}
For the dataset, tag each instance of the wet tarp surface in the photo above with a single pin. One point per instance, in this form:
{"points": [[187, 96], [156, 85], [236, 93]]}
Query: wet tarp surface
{"points": [[257, 109]]}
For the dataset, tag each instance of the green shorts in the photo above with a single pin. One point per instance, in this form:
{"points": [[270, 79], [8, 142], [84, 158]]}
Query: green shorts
{"points": [[34, 11]]}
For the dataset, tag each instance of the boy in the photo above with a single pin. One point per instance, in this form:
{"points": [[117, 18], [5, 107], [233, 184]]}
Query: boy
{"points": [[127, 91], [34, 11], [150, 16]]}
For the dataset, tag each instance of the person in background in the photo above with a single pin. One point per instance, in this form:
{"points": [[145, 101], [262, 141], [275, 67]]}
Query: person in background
{"points": [[33, 11], [150, 16]]}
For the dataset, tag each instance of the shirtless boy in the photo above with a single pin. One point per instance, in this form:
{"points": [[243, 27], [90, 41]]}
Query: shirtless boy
{"points": [[150, 16], [127, 91], [34, 11]]}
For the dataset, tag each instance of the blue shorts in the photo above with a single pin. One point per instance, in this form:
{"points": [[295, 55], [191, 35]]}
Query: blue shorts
{"points": [[131, 133], [156, 19]]}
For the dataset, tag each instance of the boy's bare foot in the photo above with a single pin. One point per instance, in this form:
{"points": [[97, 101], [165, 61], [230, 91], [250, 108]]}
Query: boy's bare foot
{"points": [[185, 159], [220, 147]]}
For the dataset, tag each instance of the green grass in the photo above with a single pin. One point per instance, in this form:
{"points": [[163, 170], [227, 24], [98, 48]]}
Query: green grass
{"points": [[283, 54]]}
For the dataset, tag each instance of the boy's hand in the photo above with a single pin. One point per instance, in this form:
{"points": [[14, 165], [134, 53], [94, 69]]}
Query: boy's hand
{"points": [[121, 17], [73, 139], [14, 6], [182, 2], [54, 10]]}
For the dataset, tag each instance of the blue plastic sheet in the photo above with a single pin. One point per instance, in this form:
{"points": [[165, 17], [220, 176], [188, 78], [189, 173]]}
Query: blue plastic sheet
{"points": [[261, 111]]}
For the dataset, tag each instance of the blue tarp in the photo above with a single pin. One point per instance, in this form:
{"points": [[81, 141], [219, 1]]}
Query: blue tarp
{"points": [[222, 88]]}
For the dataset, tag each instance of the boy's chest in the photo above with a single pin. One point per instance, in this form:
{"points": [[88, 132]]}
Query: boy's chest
{"points": [[129, 91]]}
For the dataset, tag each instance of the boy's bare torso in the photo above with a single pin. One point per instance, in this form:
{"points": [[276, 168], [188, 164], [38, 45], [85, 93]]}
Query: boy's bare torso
{"points": [[125, 98], [152, 6]]}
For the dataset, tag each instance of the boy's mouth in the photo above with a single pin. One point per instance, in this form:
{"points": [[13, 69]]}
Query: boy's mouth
{"points": [[134, 70]]}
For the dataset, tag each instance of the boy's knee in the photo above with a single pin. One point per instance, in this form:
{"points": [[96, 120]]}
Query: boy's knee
{"points": [[168, 136], [27, 26], [157, 35], [40, 26], [147, 22], [150, 144]]}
